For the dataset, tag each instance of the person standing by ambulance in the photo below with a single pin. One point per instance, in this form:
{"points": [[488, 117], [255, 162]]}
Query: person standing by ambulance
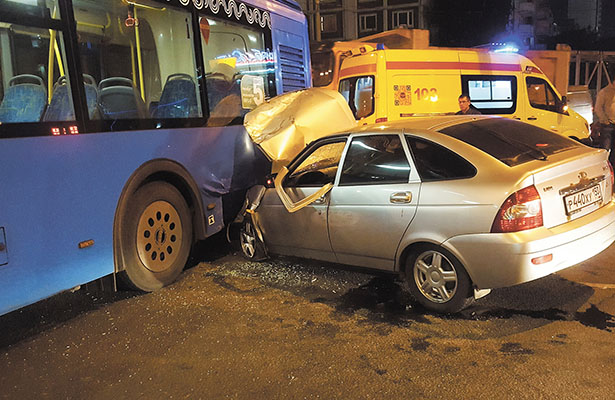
{"points": [[605, 112], [465, 106]]}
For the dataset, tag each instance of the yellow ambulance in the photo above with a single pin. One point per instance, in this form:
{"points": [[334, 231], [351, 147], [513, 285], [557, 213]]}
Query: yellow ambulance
{"points": [[391, 84]]}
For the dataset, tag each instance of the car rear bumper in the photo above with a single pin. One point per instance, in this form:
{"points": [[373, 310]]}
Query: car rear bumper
{"points": [[504, 259]]}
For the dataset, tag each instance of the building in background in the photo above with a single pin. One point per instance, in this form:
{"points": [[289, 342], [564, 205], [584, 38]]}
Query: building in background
{"points": [[352, 19], [595, 15], [531, 23], [585, 13], [583, 24]]}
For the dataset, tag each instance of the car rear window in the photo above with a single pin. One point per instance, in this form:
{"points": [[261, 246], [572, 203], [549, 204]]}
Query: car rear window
{"points": [[436, 163], [512, 142]]}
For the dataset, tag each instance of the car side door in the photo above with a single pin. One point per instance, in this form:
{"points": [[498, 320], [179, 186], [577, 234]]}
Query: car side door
{"points": [[303, 232], [373, 201]]}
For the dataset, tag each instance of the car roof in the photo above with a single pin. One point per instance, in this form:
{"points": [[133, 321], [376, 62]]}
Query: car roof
{"points": [[432, 123], [509, 141], [424, 126]]}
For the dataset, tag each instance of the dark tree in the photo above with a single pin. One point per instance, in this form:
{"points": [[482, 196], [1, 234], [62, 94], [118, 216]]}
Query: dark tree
{"points": [[467, 23]]}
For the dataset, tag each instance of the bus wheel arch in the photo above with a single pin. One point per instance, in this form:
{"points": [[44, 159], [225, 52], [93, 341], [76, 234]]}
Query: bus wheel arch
{"points": [[160, 193]]}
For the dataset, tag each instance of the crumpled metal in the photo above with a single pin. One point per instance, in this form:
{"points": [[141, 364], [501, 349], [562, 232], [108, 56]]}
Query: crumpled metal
{"points": [[284, 125]]}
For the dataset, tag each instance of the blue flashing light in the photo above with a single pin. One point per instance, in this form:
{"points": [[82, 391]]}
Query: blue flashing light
{"points": [[507, 49], [503, 47], [380, 46]]}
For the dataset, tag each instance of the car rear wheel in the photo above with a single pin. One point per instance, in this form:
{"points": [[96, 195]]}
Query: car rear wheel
{"points": [[252, 247], [437, 280], [156, 236]]}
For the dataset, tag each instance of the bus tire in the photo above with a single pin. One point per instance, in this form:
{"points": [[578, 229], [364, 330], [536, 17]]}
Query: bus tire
{"points": [[156, 236]]}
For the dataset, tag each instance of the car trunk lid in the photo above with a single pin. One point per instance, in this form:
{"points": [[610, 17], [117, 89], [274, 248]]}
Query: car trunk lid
{"points": [[574, 187]]}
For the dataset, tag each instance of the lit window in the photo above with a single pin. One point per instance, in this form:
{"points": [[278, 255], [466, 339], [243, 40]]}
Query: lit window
{"points": [[495, 94]]}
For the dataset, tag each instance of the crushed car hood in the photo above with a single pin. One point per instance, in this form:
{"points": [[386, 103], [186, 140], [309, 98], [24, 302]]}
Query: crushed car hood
{"points": [[283, 126]]}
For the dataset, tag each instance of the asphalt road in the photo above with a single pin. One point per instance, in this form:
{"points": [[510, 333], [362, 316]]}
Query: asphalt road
{"points": [[294, 329]]}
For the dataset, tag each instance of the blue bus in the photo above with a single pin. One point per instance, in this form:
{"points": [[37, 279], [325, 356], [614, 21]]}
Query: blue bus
{"points": [[121, 136]]}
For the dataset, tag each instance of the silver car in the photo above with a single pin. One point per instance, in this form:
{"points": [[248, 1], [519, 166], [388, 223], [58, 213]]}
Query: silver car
{"points": [[455, 205]]}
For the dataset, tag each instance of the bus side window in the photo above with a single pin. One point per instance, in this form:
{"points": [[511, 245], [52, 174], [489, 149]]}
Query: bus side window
{"points": [[239, 69], [179, 96], [143, 58], [28, 68]]}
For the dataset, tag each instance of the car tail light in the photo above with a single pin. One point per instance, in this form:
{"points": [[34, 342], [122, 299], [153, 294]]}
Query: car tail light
{"points": [[522, 210]]}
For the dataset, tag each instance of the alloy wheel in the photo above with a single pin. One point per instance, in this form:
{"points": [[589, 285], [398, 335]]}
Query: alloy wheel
{"points": [[435, 276]]}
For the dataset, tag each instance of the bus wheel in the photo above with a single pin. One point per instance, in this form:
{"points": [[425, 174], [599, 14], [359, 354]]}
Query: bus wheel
{"points": [[156, 236]]}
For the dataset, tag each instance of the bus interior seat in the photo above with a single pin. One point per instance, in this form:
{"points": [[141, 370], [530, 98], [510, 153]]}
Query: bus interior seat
{"points": [[178, 99], [118, 98], [61, 107], [23, 102], [219, 86]]}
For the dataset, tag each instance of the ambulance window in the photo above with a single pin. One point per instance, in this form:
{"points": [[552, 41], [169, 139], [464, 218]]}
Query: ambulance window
{"points": [[491, 94], [359, 93], [541, 95]]}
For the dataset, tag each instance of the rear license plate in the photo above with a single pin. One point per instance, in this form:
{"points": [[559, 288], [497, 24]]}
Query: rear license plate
{"points": [[578, 201]]}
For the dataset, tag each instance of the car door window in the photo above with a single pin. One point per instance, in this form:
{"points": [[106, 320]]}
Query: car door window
{"points": [[318, 167], [375, 159], [541, 95], [436, 163]]}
